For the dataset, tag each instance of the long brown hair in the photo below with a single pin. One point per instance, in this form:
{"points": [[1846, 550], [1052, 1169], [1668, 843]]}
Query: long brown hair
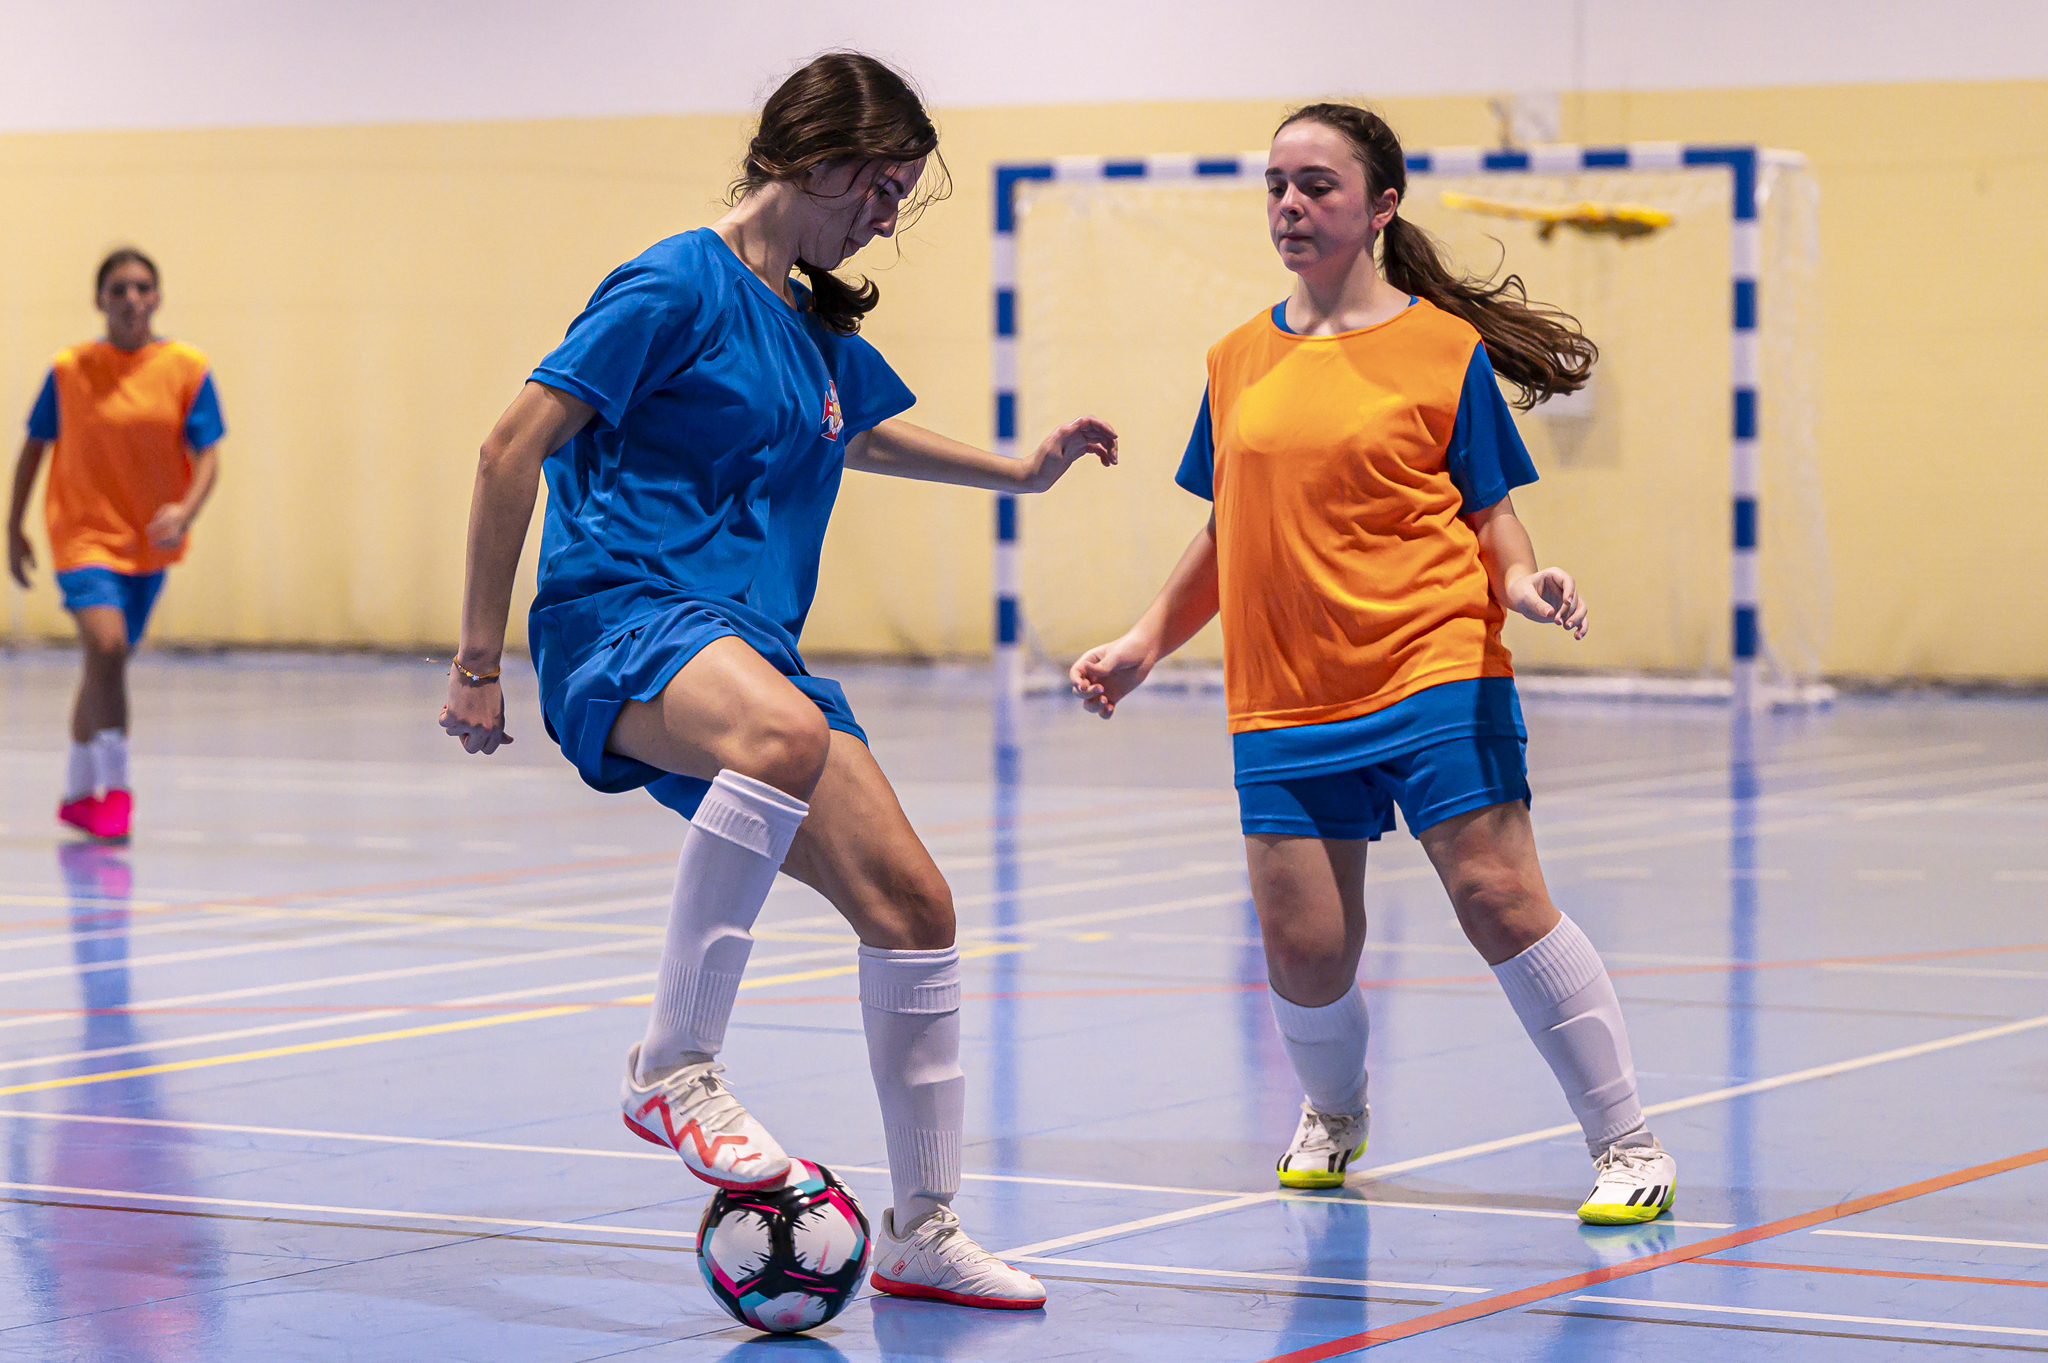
{"points": [[842, 106], [1534, 346]]}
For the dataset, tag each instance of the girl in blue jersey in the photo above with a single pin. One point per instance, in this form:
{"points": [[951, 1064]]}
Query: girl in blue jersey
{"points": [[692, 427]]}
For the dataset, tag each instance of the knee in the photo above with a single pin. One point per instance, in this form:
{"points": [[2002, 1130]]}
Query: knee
{"points": [[1488, 894], [921, 907], [786, 746], [105, 655], [1303, 963]]}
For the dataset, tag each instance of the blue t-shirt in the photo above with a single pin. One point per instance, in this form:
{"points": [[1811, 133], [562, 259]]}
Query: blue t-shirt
{"points": [[709, 471], [1486, 456], [203, 423]]}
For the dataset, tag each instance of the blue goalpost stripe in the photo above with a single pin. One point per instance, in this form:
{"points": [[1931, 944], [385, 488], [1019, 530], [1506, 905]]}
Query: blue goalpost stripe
{"points": [[1743, 164], [1739, 160], [1745, 522], [1745, 634], [1006, 190]]}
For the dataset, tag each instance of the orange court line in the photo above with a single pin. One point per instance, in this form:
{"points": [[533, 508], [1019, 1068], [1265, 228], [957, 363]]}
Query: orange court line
{"points": [[1877, 1273], [1508, 1301]]}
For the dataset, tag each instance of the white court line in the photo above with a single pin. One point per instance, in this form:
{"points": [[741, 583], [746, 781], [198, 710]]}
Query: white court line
{"points": [[1930, 1239], [1368, 1176], [68, 1015], [397, 1010], [1487, 1211], [1229, 1273], [1819, 1315], [1947, 971], [174, 1199], [392, 912]]}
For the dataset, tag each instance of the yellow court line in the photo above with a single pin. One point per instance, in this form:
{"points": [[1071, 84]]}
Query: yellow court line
{"points": [[436, 1029]]}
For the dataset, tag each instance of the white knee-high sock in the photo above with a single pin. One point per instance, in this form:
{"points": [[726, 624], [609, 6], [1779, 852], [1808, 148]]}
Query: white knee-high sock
{"points": [[736, 842], [910, 1008], [1327, 1047], [81, 774], [1561, 992], [110, 758]]}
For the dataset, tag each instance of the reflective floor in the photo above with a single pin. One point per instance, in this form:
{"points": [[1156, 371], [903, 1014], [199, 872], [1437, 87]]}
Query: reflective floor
{"points": [[324, 1065]]}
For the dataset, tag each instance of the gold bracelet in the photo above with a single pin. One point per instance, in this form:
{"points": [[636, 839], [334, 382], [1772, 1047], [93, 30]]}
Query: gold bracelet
{"points": [[469, 678]]}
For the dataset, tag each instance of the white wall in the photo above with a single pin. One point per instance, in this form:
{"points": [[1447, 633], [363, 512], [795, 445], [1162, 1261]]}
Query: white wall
{"points": [[128, 64]]}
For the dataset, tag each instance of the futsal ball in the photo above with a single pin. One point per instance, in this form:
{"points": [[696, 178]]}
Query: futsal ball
{"points": [[785, 1259]]}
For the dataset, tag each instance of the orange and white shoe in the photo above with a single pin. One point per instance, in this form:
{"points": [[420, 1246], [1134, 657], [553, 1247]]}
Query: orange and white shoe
{"points": [[690, 1110], [937, 1261]]}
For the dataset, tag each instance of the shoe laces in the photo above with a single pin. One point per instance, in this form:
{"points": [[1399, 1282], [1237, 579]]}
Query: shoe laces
{"points": [[941, 1234], [1632, 1161], [1322, 1127], [714, 1105]]}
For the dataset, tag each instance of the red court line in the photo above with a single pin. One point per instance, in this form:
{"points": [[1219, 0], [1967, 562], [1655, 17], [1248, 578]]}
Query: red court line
{"points": [[1508, 1301], [1876, 1273]]}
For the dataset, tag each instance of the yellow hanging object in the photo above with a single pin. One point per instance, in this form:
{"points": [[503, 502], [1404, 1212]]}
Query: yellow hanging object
{"points": [[1614, 220]]}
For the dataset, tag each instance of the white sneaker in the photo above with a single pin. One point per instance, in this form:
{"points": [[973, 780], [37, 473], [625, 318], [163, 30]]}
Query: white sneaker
{"points": [[692, 1112], [936, 1260], [1324, 1145], [1631, 1184]]}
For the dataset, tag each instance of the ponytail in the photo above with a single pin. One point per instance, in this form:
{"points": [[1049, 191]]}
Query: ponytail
{"points": [[1538, 348]]}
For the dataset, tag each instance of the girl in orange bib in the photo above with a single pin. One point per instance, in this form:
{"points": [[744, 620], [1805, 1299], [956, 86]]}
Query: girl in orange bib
{"points": [[134, 425], [1363, 551]]}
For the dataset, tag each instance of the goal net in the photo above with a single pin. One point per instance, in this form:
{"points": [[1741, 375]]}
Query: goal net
{"points": [[1122, 284]]}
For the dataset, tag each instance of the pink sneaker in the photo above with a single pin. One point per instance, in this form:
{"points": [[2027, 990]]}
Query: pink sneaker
{"points": [[110, 820], [82, 814]]}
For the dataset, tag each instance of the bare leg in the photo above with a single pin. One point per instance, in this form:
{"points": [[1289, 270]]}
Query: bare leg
{"points": [[1310, 897], [102, 701]]}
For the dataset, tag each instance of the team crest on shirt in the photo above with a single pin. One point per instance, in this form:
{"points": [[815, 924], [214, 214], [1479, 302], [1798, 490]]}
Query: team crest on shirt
{"points": [[835, 421]]}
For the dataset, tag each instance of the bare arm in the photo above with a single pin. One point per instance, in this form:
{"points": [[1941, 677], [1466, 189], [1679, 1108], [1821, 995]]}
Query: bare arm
{"points": [[1189, 600], [1548, 595], [902, 450], [537, 424], [173, 520], [20, 557]]}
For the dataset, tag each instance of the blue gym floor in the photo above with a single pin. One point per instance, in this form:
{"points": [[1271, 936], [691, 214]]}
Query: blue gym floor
{"points": [[324, 1065]]}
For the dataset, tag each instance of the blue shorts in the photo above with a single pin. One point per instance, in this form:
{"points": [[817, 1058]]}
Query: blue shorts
{"points": [[583, 690], [1430, 784], [132, 594]]}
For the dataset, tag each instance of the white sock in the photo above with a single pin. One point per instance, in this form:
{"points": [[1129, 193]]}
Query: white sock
{"points": [[1327, 1047], [110, 758], [910, 1008], [80, 778], [736, 842], [1561, 992]]}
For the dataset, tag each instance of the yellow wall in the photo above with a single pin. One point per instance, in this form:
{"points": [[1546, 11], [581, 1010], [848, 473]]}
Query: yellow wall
{"points": [[372, 297]]}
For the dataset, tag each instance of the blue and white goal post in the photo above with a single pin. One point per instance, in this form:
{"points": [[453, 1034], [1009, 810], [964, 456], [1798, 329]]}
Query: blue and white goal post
{"points": [[1743, 165]]}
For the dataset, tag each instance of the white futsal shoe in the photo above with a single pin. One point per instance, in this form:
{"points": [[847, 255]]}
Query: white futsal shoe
{"points": [[937, 1261], [1632, 1183], [1324, 1145], [692, 1112]]}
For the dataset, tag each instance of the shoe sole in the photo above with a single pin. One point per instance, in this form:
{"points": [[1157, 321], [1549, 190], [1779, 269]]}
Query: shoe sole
{"points": [[730, 1185], [1319, 1178], [1621, 1214], [920, 1291]]}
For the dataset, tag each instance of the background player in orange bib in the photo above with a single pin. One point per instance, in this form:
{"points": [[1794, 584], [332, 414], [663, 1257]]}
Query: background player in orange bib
{"points": [[135, 428], [1363, 551]]}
